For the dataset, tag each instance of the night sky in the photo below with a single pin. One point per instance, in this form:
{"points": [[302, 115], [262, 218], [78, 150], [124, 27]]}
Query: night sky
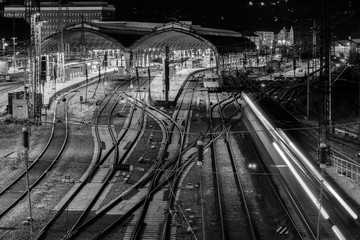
{"points": [[238, 15], [233, 14]]}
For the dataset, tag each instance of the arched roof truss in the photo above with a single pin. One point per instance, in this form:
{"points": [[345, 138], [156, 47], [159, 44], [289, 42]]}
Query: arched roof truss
{"points": [[174, 35], [92, 39]]}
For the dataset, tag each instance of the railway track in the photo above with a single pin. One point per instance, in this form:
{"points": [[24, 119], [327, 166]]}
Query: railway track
{"points": [[165, 180], [7, 88], [145, 227], [132, 125], [134, 191], [63, 222], [11, 195], [304, 212], [133, 198], [234, 218]]}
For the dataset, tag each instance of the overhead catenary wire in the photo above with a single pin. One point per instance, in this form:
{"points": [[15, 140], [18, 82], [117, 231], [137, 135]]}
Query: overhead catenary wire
{"points": [[232, 132]]}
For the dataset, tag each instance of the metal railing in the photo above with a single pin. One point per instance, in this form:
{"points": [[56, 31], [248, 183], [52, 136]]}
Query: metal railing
{"points": [[346, 168]]}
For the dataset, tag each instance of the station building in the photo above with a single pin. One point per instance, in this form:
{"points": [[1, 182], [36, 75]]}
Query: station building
{"points": [[55, 15], [69, 35]]}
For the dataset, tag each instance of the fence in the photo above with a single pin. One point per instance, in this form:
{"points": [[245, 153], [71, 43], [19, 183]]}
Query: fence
{"points": [[346, 168]]}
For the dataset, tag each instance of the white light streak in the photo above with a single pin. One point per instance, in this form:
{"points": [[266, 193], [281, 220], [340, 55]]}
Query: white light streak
{"points": [[302, 183], [338, 233]]}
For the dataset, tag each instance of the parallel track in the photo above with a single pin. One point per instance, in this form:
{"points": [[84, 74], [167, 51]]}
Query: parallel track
{"points": [[42, 165]]}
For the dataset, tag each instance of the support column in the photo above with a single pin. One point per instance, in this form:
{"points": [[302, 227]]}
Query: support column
{"points": [[128, 60], [142, 59], [167, 80]]}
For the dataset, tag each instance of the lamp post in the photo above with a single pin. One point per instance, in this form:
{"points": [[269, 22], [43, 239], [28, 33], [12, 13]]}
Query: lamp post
{"points": [[14, 59], [3, 45], [86, 76]]}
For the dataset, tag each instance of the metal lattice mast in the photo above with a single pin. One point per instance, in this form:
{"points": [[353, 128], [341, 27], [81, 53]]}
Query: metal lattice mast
{"points": [[325, 83], [82, 44], [325, 105], [32, 13], [37, 45], [61, 50]]}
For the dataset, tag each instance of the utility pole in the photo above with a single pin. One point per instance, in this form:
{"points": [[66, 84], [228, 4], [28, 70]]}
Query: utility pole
{"points": [[313, 30], [14, 38], [308, 90], [325, 91], [83, 54], [86, 76], [167, 80], [149, 75]]}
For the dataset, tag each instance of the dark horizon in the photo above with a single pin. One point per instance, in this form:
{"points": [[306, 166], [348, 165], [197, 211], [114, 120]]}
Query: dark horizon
{"points": [[238, 15]]}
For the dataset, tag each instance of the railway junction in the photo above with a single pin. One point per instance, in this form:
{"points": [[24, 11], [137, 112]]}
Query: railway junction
{"points": [[164, 136]]}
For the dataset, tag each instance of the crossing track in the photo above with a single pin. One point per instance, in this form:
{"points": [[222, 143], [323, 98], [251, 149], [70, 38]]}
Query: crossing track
{"points": [[161, 167], [56, 228], [151, 225], [8, 87], [42, 165], [185, 110], [85, 231]]}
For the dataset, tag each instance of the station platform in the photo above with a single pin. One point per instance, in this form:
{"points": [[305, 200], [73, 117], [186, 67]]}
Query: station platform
{"points": [[157, 86], [51, 88]]}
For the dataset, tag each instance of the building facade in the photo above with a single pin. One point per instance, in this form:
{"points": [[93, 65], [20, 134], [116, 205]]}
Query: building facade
{"points": [[343, 48], [55, 16], [266, 38], [285, 37]]}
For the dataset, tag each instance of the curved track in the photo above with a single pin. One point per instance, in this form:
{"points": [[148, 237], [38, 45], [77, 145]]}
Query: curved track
{"points": [[43, 164]]}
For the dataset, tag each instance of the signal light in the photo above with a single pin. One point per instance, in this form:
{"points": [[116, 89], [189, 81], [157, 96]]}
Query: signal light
{"points": [[25, 137], [200, 150]]}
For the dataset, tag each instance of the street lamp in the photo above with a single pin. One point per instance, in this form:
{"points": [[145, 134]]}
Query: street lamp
{"points": [[86, 76], [3, 44], [14, 60]]}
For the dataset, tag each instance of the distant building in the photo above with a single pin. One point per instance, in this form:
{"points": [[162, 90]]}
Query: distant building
{"points": [[285, 37], [266, 38], [269, 38], [343, 48], [55, 15]]}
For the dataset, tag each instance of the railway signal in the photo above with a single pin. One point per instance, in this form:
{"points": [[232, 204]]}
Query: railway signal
{"points": [[200, 147], [26, 158]]}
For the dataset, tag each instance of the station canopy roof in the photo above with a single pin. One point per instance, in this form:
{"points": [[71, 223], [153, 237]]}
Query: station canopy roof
{"points": [[76, 38], [139, 36]]}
